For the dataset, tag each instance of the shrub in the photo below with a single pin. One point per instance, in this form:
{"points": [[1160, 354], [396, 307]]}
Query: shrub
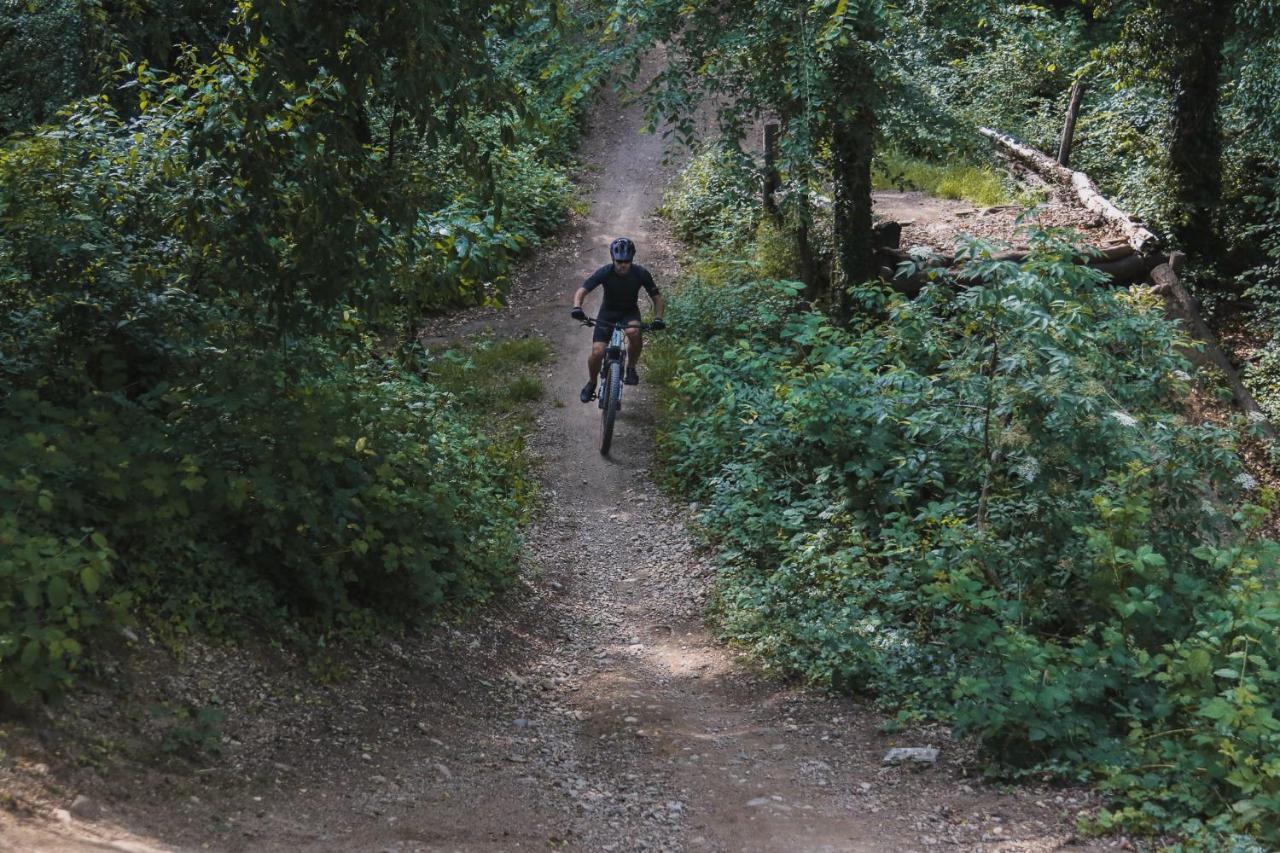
{"points": [[202, 278], [324, 499], [986, 505], [715, 199]]}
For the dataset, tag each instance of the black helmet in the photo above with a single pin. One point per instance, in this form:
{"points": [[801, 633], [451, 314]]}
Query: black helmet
{"points": [[622, 249]]}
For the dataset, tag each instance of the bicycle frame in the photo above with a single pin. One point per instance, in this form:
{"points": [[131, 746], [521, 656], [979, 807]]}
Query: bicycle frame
{"points": [[612, 370], [614, 351]]}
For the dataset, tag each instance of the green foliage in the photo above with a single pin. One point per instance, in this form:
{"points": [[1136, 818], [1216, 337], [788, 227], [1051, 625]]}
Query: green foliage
{"points": [[820, 70], [985, 505], [715, 200], [44, 60], [490, 377], [978, 184], [212, 280], [190, 732], [319, 497]]}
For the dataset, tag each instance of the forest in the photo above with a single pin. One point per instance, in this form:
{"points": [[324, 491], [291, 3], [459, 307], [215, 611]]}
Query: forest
{"points": [[1009, 499]]}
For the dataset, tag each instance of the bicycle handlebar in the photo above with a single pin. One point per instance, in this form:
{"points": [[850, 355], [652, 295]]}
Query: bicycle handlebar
{"points": [[591, 321]]}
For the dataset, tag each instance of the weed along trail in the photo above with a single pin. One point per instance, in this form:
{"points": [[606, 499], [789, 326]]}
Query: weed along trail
{"points": [[592, 709]]}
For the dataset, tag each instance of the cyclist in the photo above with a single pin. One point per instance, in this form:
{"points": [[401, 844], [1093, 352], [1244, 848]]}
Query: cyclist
{"points": [[622, 280]]}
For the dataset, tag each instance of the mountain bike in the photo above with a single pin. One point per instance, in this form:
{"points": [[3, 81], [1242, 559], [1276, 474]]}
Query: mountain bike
{"points": [[612, 369]]}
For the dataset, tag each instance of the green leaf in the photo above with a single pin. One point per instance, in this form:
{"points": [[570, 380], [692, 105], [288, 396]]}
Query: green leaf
{"points": [[57, 592]]}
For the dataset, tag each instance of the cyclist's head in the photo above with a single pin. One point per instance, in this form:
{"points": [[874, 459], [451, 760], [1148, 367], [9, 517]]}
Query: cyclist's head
{"points": [[622, 250]]}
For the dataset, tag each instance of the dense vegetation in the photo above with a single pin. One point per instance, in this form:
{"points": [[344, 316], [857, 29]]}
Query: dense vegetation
{"points": [[990, 505], [219, 233], [1179, 122], [212, 270], [986, 505]]}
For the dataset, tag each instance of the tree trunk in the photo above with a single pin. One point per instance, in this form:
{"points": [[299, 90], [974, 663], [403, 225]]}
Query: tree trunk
{"points": [[853, 132], [814, 288], [852, 148], [1195, 152], [1181, 306], [771, 178]]}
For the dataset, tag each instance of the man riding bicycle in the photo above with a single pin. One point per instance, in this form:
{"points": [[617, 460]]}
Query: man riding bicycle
{"points": [[622, 281]]}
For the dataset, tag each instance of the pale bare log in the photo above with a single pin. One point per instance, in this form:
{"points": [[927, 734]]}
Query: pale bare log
{"points": [[1138, 236]]}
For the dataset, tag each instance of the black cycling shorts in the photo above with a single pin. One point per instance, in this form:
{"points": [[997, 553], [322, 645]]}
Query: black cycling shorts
{"points": [[603, 333]]}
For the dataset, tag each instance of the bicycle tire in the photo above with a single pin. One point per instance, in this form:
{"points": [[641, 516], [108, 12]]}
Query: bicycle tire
{"points": [[609, 414]]}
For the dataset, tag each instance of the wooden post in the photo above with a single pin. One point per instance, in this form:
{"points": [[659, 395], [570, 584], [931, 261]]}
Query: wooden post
{"points": [[1069, 129], [771, 179]]}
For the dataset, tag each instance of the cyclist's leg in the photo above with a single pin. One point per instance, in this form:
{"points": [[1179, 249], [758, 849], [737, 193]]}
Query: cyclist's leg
{"points": [[635, 342], [594, 359], [600, 335], [599, 340]]}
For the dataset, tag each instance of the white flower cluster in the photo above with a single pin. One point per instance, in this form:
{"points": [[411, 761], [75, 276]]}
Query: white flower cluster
{"points": [[1246, 481], [1125, 418], [1181, 374], [1028, 469]]}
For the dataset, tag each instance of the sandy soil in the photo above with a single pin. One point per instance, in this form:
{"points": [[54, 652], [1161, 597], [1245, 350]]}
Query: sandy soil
{"points": [[591, 709]]}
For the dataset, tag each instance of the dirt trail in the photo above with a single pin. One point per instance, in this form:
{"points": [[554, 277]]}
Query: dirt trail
{"points": [[595, 713]]}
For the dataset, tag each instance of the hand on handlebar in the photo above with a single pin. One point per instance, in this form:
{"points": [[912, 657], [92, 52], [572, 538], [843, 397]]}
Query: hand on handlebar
{"points": [[578, 314], [658, 324]]}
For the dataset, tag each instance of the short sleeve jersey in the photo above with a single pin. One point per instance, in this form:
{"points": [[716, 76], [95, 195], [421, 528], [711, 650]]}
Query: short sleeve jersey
{"points": [[621, 292]]}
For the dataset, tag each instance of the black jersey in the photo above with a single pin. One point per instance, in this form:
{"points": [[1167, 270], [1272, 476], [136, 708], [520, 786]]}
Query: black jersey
{"points": [[621, 292]]}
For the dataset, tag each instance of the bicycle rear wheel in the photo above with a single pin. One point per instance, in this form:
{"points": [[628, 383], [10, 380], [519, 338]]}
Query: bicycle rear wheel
{"points": [[609, 409]]}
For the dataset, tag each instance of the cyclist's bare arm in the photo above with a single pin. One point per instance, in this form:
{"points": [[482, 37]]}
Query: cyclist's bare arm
{"points": [[659, 305]]}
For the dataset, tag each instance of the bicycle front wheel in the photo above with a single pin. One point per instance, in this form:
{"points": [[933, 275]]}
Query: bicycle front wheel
{"points": [[609, 410]]}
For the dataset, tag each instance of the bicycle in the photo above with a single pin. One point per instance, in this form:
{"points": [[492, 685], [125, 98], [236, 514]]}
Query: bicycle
{"points": [[612, 369]]}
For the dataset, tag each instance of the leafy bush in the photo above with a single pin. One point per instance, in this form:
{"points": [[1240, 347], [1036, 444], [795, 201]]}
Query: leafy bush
{"points": [[321, 497], [212, 281], [986, 505], [715, 199]]}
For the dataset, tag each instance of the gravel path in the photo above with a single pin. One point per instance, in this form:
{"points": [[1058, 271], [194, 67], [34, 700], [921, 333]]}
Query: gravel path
{"points": [[592, 710]]}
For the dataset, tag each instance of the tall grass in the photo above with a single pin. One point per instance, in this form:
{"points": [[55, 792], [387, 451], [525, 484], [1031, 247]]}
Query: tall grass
{"points": [[956, 180]]}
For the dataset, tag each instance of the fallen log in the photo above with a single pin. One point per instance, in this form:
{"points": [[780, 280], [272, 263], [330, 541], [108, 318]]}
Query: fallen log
{"points": [[1128, 269], [1119, 261], [1135, 232], [1180, 306]]}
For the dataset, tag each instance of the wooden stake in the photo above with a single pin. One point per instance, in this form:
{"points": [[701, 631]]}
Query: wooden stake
{"points": [[1069, 129]]}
